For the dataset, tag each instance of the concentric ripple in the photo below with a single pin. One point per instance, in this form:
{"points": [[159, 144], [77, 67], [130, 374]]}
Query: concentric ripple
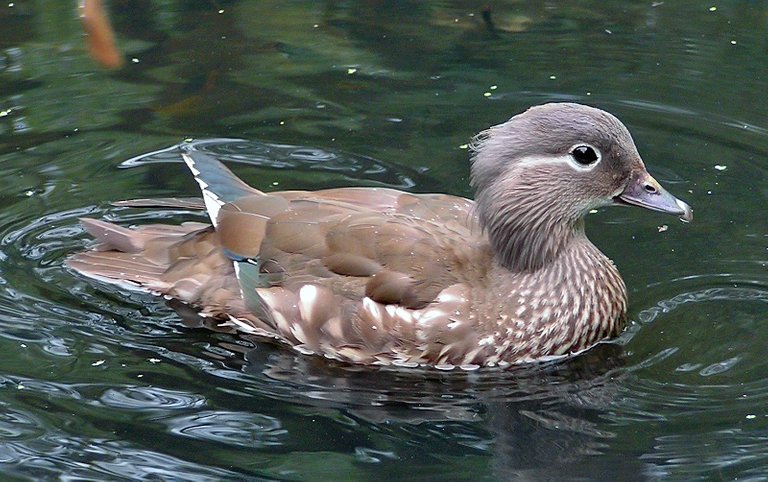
{"points": [[293, 158]]}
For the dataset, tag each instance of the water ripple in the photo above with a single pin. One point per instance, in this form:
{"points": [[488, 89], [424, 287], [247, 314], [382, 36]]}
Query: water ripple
{"points": [[677, 373], [100, 459], [230, 428], [17, 425], [724, 451], [708, 294], [142, 398], [294, 158]]}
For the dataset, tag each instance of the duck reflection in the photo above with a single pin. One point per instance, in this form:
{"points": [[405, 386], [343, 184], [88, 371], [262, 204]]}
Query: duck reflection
{"points": [[534, 421]]}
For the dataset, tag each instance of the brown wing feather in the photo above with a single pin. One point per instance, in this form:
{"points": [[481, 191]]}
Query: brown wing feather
{"points": [[353, 240]]}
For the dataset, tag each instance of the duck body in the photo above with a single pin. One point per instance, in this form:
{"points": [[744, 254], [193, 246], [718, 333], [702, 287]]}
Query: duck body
{"points": [[380, 276]]}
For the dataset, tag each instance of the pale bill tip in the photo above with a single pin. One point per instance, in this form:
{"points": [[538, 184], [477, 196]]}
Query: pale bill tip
{"points": [[687, 215]]}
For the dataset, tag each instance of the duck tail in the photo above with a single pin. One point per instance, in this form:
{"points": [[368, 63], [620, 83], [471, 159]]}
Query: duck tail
{"points": [[134, 258], [218, 184]]}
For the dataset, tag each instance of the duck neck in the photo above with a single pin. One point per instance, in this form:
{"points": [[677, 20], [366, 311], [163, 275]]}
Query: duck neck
{"points": [[525, 233]]}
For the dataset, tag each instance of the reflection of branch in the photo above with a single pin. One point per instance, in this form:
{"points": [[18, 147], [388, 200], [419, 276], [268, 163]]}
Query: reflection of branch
{"points": [[99, 35], [488, 20]]}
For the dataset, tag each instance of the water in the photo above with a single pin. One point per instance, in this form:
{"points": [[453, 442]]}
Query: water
{"points": [[100, 384]]}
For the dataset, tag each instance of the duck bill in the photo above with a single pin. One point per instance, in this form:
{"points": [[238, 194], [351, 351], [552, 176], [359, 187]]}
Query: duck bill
{"points": [[644, 191]]}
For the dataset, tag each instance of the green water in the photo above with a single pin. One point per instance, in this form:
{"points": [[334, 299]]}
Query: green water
{"points": [[100, 384]]}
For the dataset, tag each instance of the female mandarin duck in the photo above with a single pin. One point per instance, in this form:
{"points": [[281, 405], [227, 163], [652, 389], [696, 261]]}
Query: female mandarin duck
{"points": [[379, 276]]}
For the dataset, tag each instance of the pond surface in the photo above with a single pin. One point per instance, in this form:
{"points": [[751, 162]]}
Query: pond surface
{"points": [[101, 384]]}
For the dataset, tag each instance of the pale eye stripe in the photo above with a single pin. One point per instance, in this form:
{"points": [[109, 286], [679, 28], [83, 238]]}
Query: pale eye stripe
{"points": [[544, 160], [566, 159]]}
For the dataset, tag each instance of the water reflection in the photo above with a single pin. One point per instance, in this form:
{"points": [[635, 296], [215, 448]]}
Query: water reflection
{"points": [[524, 418]]}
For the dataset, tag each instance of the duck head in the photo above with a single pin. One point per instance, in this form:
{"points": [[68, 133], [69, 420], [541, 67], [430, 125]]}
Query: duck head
{"points": [[537, 175]]}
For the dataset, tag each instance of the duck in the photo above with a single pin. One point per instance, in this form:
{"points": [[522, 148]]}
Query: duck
{"points": [[379, 276]]}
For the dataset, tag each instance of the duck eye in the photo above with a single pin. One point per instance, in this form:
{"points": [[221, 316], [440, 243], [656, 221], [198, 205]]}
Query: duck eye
{"points": [[584, 155]]}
